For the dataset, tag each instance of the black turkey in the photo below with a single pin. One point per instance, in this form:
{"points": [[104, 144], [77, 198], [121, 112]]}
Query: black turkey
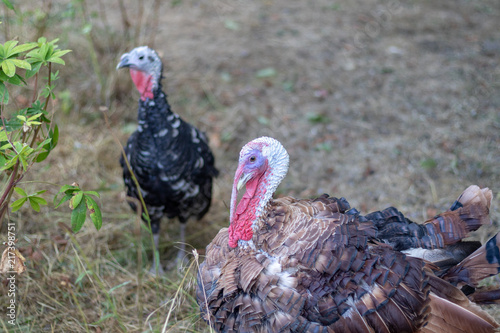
{"points": [[171, 158]]}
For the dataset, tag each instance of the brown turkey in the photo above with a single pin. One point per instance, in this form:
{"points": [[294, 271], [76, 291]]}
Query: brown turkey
{"points": [[288, 265], [170, 158]]}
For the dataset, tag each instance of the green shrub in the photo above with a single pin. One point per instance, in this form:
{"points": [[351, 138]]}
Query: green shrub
{"points": [[28, 135]]}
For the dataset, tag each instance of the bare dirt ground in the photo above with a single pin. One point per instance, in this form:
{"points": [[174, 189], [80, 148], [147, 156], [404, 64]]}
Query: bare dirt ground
{"points": [[382, 102]]}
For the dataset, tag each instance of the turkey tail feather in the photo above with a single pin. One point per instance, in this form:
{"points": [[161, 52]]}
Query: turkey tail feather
{"points": [[444, 290], [468, 213], [482, 263], [449, 317]]}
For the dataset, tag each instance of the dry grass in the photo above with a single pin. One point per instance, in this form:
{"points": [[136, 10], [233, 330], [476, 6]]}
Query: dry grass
{"points": [[383, 103]]}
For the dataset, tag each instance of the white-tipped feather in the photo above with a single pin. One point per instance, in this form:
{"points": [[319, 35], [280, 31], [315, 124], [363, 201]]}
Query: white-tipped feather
{"points": [[474, 194]]}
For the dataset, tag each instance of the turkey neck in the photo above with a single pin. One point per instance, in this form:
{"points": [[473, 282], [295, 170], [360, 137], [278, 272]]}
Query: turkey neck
{"points": [[154, 112], [249, 211], [157, 126], [247, 216]]}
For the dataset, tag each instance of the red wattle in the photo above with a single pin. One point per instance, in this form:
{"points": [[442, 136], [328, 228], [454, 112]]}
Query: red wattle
{"points": [[245, 214], [143, 82]]}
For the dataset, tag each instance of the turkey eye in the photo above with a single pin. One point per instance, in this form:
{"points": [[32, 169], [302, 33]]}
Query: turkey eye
{"points": [[252, 158]]}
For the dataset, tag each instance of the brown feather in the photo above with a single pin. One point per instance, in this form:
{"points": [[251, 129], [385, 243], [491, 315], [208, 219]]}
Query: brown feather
{"points": [[449, 317], [482, 263], [470, 211], [318, 266], [327, 274], [485, 295], [445, 290]]}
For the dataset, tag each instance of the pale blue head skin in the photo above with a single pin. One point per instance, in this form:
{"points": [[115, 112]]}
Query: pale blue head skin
{"points": [[145, 60], [263, 163]]}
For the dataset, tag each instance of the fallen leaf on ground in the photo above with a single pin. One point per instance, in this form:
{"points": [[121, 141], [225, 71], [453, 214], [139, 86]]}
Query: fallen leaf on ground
{"points": [[12, 261]]}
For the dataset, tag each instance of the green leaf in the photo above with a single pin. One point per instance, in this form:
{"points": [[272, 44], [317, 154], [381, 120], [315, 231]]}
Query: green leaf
{"points": [[64, 188], [145, 227], [39, 200], [10, 163], [119, 286], [23, 47], [63, 200], [232, 25], [8, 4], [9, 46], [87, 28], [45, 144], [35, 67], [34, 204], [18, 146], [82, 275], [92, 193], [325, 146], [75, 201], [6, 146], [68, 191], [103, 319], [55, 137], [15, 80], [38, 115], [4, 94], [60, 53], [95, 212], [18, 204], [42, 53], [20, 191], [36, 108], [266, 72], [317, 118], [26, 150], [21, 64], [288, 85], [78, 216], [8, 67], [428, 163], [3, 135], [56, 56], [56, 61], [263, 120], [42, 156], [24, 162]]}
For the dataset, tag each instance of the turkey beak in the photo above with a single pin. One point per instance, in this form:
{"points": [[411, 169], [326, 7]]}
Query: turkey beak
{"points": [[123, 62], [243, 180]]}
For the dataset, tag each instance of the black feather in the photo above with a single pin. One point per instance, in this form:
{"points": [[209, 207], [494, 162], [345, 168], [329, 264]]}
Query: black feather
{"points": [[172, 162]]}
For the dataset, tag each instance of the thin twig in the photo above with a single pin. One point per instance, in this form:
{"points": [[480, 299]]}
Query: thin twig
{"points": [[154, 27], [138, 23], [175, 297], [196, 257], [80, 309], [125, 20], [156, 254], [139, 257]]}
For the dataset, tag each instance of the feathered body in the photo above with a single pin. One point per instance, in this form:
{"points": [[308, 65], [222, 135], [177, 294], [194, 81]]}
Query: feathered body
{"points": [[172, 162], [289, 265], [170, 157]]}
